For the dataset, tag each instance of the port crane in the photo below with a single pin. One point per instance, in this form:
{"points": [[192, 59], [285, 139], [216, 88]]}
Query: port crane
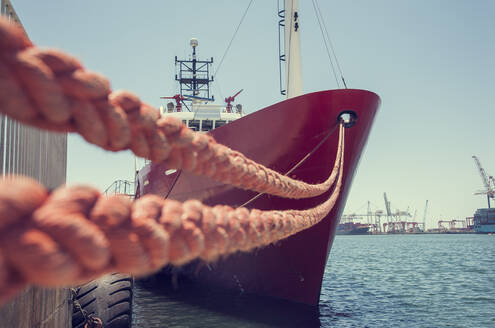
{"points": [[397, 221], [452, 225], [488, 182], [424, 216], [387, 207]]}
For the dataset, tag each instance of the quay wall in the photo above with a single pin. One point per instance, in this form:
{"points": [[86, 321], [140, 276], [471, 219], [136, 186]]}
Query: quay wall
{"points": [[43, 156]]}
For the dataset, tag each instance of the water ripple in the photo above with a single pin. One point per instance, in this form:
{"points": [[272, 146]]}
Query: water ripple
{"points": [[370, 281]]}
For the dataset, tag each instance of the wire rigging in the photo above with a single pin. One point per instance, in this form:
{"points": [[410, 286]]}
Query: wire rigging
{"points": [[290, 41], [227, 50], [332, 48], [327, 42], [217, 85], [232, 39], [326, 45]]}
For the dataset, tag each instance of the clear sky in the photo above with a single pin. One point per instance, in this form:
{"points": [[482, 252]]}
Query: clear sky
{"points": [[431, 62]]}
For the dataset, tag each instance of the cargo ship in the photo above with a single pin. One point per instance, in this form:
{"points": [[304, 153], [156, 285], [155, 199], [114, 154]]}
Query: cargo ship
{"points": [[347, 226], [351, 228], [484, 220], [297, 137]]}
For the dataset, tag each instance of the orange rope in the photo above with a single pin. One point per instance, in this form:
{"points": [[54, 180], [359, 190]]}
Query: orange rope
{"points": [[51, 90], [75, 234]]}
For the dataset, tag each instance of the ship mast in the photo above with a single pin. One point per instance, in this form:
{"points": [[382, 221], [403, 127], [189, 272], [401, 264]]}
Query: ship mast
{"points": [[293, 69], [194, 76], [289, 49]]}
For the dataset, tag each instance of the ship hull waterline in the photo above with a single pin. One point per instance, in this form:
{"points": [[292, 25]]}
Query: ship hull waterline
{"points": [[278, 137]]}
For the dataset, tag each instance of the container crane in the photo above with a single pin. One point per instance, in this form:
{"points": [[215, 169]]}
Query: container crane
{"points": [[487, 182], [387, 207], [424, 216]]}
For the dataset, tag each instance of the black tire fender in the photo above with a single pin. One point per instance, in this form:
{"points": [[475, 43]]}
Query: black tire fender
{"points": [[108, 298]]}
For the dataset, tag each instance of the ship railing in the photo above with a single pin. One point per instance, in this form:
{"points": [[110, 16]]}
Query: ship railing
{"points": [[121, 187]]}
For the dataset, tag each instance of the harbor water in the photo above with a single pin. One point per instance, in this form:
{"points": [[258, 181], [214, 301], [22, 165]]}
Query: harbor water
{"points": [[370, 281]]}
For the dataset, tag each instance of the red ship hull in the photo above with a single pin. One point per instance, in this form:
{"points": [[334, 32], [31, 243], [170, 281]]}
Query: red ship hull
{"points": [[278, 137]]}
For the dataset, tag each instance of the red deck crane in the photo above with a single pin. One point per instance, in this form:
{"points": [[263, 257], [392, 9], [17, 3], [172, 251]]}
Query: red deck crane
{"points": [[178, 99], [229, 101]]}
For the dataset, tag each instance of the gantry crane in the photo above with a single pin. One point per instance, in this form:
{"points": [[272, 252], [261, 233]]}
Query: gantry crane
{"points": [[424, 216], [488, 182], [387, 206]]}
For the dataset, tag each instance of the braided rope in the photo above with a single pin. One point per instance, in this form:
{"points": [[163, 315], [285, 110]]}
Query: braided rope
{"points": [[76, 234], [51, 90]]}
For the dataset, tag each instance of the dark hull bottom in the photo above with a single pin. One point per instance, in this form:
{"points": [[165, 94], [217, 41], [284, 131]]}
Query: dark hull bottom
{"points": [[197, 302], [357, 231], [279, 137]]}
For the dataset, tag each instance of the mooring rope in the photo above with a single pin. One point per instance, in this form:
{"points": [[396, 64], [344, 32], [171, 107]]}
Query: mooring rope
{"points": [[75, 234], [51, 90]]}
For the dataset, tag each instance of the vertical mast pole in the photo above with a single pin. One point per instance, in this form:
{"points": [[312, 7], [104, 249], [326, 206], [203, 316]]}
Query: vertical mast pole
{"points": [[194, 44], [292, 49]]}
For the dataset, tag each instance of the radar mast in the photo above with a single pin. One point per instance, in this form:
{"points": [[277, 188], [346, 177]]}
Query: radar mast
{"points": [[194, 76]]}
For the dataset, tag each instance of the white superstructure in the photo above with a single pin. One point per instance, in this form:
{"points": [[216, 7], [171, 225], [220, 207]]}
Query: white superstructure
{"points": [[194, 103], [203, 116]]}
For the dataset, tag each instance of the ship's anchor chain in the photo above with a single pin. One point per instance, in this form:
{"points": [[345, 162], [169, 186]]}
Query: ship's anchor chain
{"points": [[74, 234]]}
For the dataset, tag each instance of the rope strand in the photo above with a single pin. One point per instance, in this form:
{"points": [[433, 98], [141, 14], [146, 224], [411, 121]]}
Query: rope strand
{"points": [[51, 90], [75, 234]]}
